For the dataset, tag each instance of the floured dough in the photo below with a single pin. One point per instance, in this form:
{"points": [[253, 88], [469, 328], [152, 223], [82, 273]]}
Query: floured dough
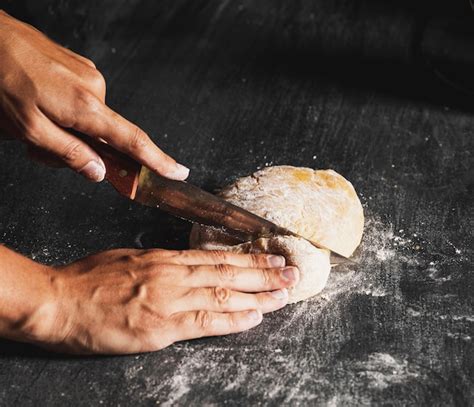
{"points": [[320, 205]]}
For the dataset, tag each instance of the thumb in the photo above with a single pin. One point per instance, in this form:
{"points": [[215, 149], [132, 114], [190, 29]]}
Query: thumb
{"points": [[59, 148]]}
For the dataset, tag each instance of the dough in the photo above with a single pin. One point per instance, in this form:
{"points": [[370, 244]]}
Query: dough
{"points": [[320, 205]]}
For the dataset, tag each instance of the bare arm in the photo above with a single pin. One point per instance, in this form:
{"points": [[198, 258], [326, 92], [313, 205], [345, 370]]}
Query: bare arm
{"points": [[26, 296]]}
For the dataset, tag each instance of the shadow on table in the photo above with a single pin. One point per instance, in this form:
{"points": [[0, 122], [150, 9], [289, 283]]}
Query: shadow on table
{"points": [[10, 349], [418, 50], [15, 349]]}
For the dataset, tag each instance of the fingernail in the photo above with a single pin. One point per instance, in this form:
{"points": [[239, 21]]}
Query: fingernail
{"points": [[289, 273], [180, 172], [93, 170], [280, 294], [254, 315], [276, 261]]}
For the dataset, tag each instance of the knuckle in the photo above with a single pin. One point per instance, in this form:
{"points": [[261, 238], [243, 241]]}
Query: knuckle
{"points": [[97, 81], [138, 140], [203, 320], [219, 256], [226, 273], [86, 101], [72, 152], [267, 277], [192, 269], [221, 295], [256, 259]]}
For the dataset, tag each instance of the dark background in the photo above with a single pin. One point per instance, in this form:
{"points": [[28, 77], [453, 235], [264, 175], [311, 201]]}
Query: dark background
{"points": [[380, 93]]}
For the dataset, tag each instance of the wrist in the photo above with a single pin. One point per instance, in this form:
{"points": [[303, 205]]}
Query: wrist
{"points": [[29, 299]]}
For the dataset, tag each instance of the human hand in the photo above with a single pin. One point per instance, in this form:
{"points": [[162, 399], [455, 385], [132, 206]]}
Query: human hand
{"points": [[128, 301], [46, 89]]}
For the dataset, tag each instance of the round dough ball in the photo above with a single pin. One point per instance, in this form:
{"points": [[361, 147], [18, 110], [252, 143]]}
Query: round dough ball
{"points": [[319, 205]]}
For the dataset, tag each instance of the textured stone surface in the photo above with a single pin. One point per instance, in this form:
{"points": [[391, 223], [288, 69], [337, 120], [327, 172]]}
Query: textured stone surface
{"points": [[228, 86]]}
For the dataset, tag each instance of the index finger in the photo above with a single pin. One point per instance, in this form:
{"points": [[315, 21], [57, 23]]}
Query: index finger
{"points": [[97, 120]]}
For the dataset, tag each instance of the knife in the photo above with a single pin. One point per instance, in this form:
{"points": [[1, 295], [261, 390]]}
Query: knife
{"points": [[187, 201]]}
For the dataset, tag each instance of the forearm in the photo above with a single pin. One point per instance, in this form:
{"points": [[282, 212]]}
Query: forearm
{"points": [[26, 298]]}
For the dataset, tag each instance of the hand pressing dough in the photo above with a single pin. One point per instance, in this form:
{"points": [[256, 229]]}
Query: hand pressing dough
{"points": [[312, 263], [320, 205]]}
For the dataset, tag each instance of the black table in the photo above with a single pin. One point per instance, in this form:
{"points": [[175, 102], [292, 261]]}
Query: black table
{"points": [[229, 87]]}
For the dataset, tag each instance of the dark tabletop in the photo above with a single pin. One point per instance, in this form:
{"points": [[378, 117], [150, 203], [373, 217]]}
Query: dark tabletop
{"points": [[231, 86]]}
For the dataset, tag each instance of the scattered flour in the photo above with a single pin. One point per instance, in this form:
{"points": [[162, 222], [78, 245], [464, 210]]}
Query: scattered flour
{"points": [[467, 318], [283, 378], [180, 385], [382, 370], [381, 244], [377, 247], [462, 337], [377, 292], [412, 312]]}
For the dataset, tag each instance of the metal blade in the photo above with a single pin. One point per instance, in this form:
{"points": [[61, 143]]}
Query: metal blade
{"points": [[192, 203]]}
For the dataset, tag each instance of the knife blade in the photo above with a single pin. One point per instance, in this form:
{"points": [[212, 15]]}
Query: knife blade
{"points": [[189, 202]]}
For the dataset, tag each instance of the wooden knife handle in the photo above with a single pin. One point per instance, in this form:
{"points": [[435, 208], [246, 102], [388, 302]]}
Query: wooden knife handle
{"points": [[121, 170]]}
